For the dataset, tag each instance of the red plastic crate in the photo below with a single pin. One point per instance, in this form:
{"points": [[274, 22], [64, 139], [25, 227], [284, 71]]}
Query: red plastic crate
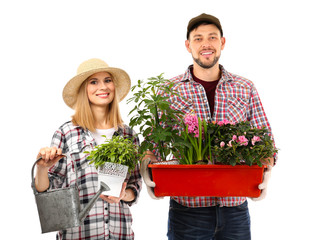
{"points": [[207, 180]]}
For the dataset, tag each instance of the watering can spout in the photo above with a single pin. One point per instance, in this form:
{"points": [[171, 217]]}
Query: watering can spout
{"points": [[83, 213]]}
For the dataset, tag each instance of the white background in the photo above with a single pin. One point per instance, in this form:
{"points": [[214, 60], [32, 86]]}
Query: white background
{"points": [[270, 42]]}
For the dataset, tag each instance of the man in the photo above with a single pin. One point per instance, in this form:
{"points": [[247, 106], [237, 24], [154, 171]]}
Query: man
{"points": [[214, 94]]}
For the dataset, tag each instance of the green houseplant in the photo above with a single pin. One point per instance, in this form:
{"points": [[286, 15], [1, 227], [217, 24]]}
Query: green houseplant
{"points": [[113, 159], [150, 111], [117, 150]]}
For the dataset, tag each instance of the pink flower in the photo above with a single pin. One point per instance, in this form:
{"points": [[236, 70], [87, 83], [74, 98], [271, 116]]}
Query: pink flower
{"points": [[242, 140], [222, 144], [229, 144], [192, 122], [224, 122], [220, 123], [255, 139]]}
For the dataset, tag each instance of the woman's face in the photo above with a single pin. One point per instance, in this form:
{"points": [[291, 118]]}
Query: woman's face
{"points": [[100, 89]]}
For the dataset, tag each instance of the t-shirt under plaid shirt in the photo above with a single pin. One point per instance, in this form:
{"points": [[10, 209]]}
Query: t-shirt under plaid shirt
{"points": [[236, 99], [104, 221]]}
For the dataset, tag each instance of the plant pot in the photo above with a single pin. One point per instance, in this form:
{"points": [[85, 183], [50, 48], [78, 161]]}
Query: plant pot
{"points": [[113, 175], [207, 180]]}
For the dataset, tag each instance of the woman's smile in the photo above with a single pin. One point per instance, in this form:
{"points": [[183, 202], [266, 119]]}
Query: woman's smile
{"points": [[103, 95]]}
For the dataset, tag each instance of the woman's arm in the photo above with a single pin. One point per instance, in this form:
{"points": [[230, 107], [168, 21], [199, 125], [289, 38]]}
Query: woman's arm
{"points": [[50, 156]]}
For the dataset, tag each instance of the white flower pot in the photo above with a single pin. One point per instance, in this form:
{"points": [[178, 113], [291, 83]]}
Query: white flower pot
{"points": [[113, 175]]}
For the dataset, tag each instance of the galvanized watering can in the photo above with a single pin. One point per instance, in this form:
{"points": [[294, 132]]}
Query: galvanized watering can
{"points": [[59, 209]]}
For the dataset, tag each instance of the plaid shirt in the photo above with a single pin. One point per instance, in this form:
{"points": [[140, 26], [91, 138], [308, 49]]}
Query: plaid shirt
{"points": [[236, 99], [105, 221]]}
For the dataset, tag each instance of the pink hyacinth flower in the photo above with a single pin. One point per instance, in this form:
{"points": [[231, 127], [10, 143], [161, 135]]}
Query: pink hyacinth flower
{"points": [[192, 122], [222, 144]]}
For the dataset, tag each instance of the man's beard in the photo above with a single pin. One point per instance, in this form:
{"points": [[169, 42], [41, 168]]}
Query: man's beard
{"points": [[206, 66]]}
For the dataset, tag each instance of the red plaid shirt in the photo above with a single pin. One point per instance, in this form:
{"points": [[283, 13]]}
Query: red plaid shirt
{"points": [[236, 99], [105, 221]]}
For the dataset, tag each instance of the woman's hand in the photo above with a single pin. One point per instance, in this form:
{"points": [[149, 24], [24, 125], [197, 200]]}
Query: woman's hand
{"points": [[50, 156], [125, 195]]}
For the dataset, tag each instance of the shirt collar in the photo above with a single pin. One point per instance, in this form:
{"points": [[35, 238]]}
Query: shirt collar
{"points": [[187, 76], [119, 131]]}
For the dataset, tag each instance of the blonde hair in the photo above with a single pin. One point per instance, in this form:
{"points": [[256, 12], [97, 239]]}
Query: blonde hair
{"points": [[83, 116]]}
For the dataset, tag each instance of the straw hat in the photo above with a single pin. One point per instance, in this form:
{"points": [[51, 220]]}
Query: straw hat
{"points": [[86, 69]]}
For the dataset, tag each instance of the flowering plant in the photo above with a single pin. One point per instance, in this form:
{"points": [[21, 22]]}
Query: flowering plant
{"points": [[240, 143], [222, 142], [193, 144]]}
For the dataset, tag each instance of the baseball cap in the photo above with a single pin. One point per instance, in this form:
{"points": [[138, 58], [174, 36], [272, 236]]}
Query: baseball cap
{"points": [[204, 18]]}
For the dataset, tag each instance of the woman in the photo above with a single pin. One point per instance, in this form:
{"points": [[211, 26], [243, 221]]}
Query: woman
{"points": [[94, 93]]}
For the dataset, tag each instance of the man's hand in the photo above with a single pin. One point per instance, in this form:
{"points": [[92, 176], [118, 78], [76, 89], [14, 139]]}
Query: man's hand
{"points": [[264, 185], [144, 171]]}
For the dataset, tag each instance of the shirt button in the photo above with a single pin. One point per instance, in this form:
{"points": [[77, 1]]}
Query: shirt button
{"points": [[106, 221], [106, 208]]}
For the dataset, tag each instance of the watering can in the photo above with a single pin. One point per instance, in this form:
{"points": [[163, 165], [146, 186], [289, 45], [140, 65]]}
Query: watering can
{"points": [[59, 209]]}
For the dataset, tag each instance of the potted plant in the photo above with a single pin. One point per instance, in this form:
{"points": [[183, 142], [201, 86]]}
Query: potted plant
{"points": [[113, 160], [222, 159], [223, 142]]}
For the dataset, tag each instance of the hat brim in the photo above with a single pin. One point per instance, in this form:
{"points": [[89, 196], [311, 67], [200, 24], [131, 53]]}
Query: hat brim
{"points": [[121, 80]]}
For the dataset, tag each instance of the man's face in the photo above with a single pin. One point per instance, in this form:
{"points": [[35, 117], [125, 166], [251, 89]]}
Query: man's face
{"points": [[205, 44]]}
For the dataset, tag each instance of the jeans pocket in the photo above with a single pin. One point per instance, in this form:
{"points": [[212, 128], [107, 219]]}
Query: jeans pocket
{"points": [[243, 207], [174, 206]]}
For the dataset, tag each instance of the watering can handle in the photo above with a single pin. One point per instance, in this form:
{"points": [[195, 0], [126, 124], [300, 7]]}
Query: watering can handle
{"points": [[32, 175], [33, 179]]}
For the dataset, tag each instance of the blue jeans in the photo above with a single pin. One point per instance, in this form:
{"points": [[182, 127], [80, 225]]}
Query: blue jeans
{"points": [[208, 223]]}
